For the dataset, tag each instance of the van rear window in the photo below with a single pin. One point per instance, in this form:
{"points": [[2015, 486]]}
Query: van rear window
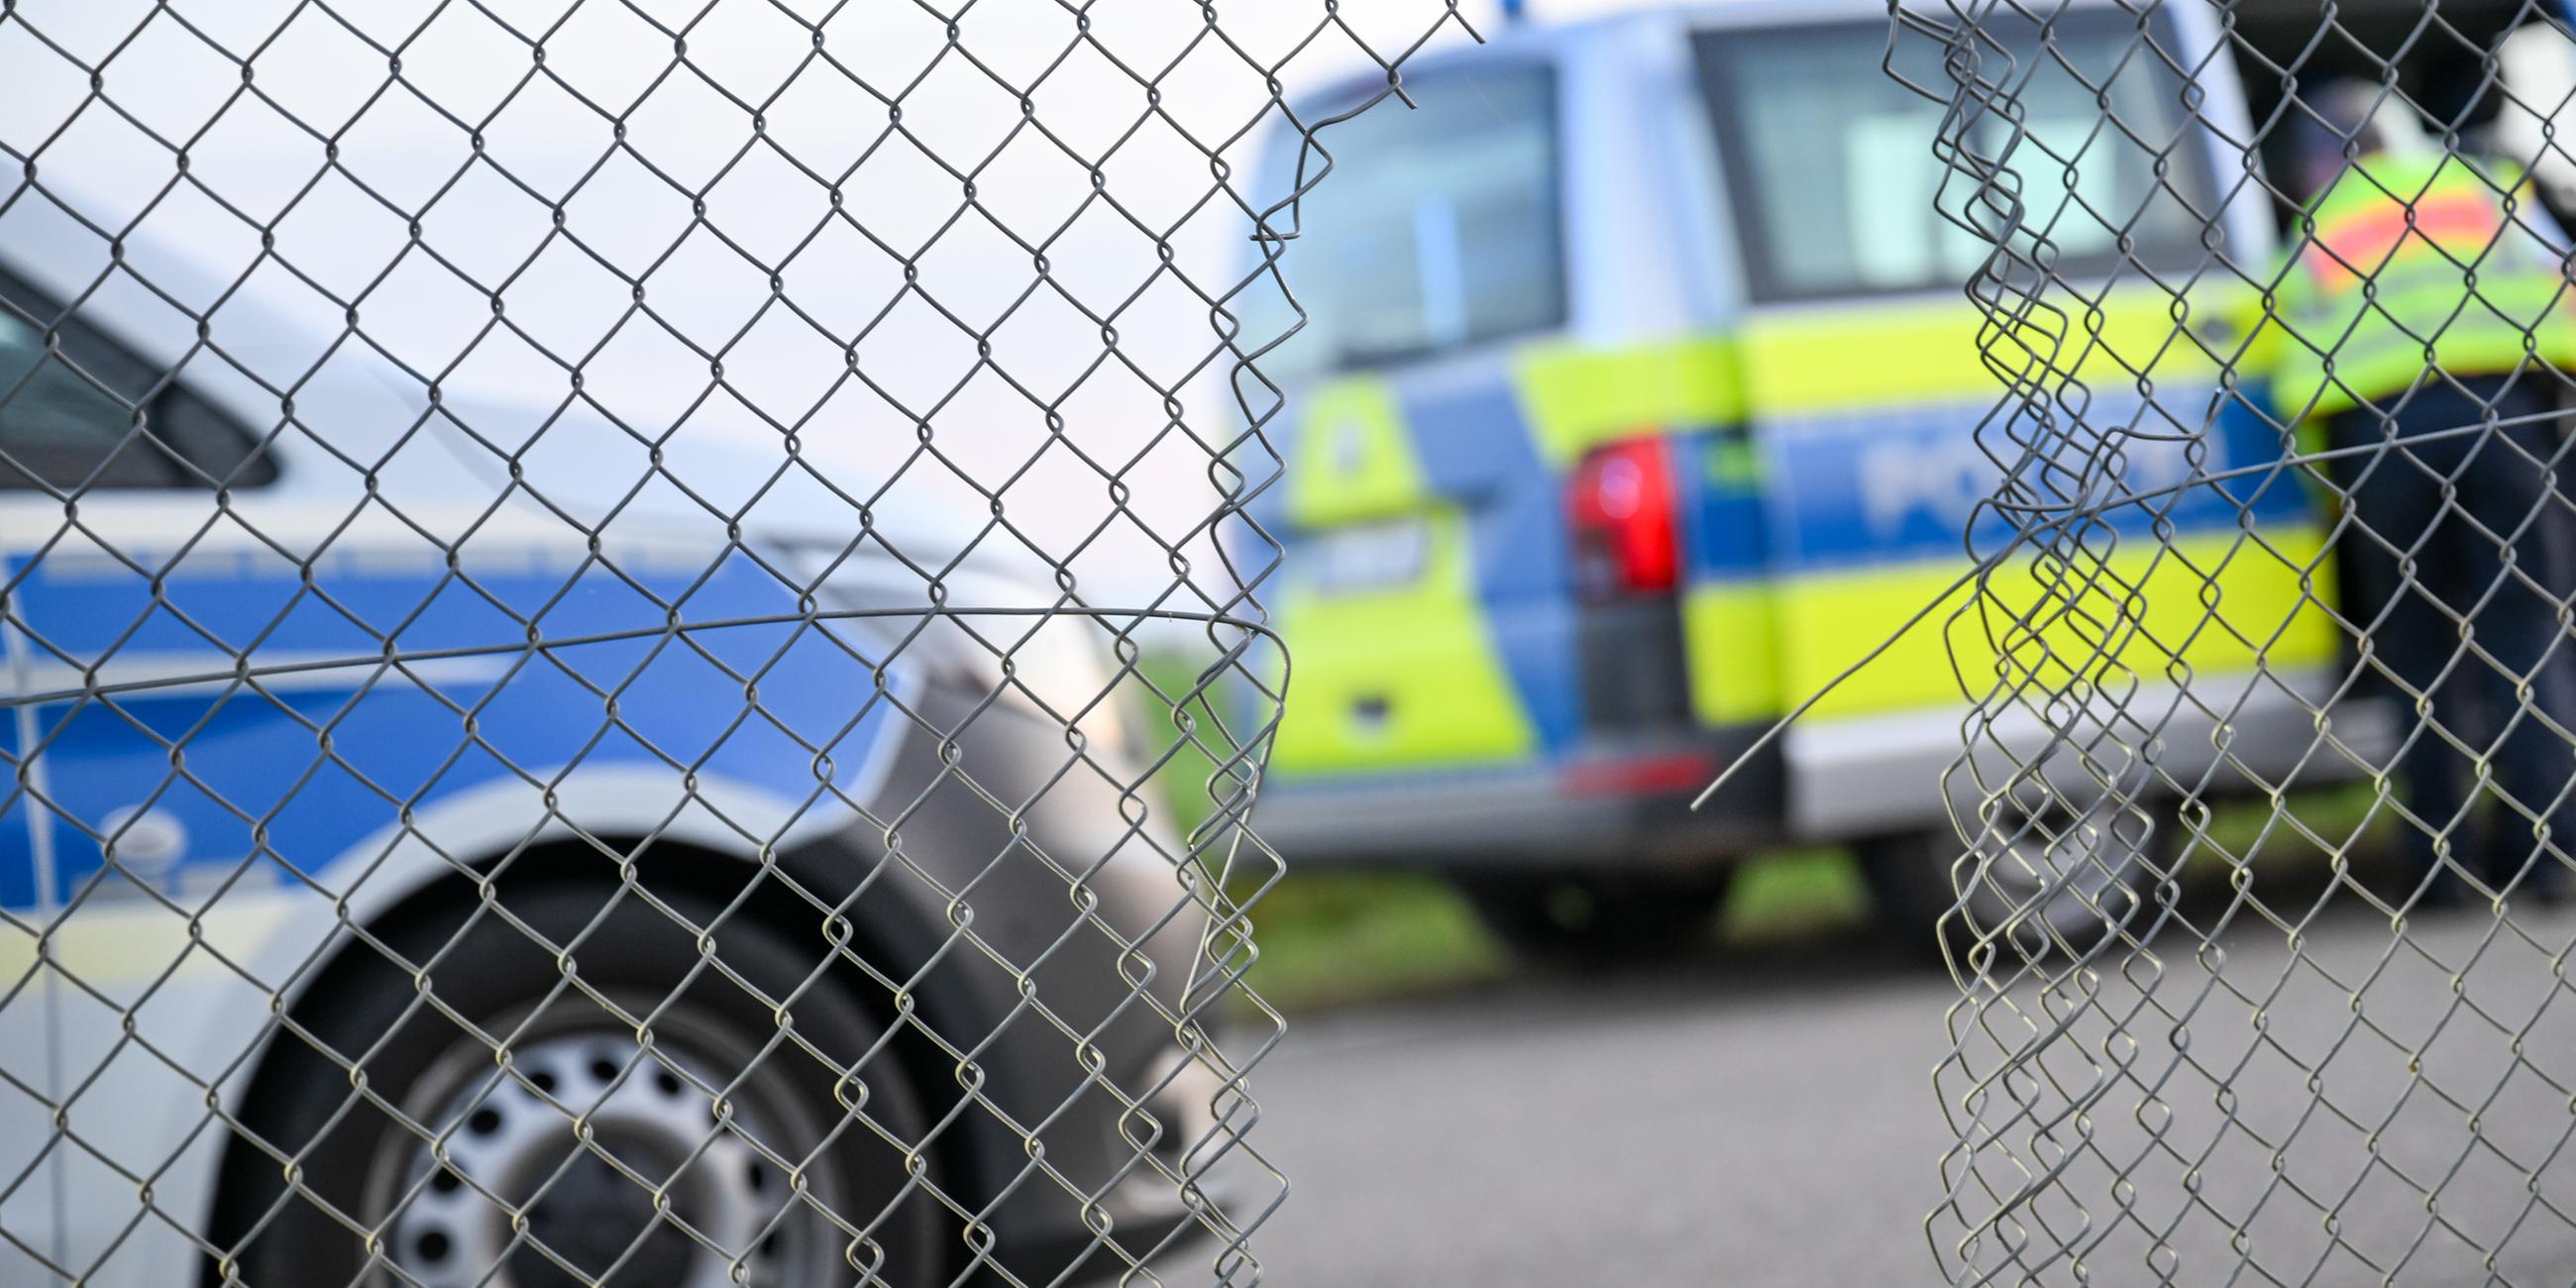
{"points": [[1830, 163], [1436, 227]]}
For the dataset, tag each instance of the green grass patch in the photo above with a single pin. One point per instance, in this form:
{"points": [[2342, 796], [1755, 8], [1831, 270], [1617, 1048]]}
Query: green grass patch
{"points": [[1334, 938], [1180, 783], [2257, 831], [1340, 938], [1794, 894]]}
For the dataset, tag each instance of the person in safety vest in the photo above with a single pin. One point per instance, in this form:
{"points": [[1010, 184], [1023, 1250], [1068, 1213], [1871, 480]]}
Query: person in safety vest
{"points": [[2423, 316]]}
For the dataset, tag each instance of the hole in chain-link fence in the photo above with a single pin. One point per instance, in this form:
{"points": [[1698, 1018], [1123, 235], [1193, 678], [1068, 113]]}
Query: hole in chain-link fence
{"points": [[611, 611]]}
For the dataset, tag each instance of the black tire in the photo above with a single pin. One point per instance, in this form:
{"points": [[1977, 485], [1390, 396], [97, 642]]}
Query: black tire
{"points": [[1589, 919], [2031, 902], [788, 1108]]}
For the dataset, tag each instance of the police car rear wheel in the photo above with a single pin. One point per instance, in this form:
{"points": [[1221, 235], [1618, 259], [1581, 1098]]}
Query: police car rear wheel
{"points": [[1597, 918], [2029, 896], [631, 1112]]}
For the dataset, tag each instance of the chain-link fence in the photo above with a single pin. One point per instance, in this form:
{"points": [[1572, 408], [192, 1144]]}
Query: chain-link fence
{"points": [[577, 584], [633, 652], [2236, 1012]]}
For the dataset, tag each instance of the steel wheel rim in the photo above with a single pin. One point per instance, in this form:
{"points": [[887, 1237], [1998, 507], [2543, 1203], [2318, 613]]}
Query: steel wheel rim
{"points": [[659, 1181]]}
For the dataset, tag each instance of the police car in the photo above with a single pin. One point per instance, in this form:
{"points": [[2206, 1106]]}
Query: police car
{"points": [[1639, 400], [436, 839]]}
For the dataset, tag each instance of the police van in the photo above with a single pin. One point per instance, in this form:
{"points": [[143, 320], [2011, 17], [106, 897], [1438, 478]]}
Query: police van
{"points": [[1639, 399], [394, 782]]}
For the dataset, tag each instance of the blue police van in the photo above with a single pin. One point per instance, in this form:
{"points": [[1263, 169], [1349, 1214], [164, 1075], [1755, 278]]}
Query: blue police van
{"points": [[1639, 399]]}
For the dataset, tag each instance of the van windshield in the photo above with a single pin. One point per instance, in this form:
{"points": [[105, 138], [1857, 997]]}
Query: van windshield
{"points": [[1436, 227], [1834, 180]]}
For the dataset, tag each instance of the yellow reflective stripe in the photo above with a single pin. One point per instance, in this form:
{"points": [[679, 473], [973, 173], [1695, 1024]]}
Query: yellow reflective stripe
{"points": [[1577, 399], [2266, 603], [1351, 457], [1840, 357], [1422, 656], [2377, 352], [1731, 638]]}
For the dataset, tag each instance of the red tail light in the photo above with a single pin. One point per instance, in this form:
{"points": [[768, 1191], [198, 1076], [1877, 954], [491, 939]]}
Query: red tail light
{"points": [[1622, 508]]}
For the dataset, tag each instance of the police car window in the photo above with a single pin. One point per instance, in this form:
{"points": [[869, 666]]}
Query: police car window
{"points": [[1441, 222], [68, 413], [1830, 164]]}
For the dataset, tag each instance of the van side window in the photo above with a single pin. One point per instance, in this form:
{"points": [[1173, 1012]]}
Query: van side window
{"points": [[69, 414], [1436, 227], [1830, 165]]}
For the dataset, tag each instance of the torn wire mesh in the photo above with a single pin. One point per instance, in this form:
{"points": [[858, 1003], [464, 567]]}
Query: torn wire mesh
{"points": [[2252, 1000]]}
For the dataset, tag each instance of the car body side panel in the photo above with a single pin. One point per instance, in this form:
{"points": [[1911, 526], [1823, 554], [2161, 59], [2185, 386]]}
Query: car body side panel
{"points": [[1058, 1012], [214, 832], [224, 693]]}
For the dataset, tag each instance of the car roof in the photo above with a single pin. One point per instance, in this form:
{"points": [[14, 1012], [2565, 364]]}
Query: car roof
{"points": [[1548, 39]]}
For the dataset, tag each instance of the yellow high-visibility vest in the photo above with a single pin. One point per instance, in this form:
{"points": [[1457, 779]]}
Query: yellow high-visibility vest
{"points": [[2414, 266]]}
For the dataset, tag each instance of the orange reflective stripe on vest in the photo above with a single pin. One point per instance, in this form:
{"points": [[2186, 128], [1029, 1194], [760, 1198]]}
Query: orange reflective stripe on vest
{"points": [[2415, 265], [2459, 222]]}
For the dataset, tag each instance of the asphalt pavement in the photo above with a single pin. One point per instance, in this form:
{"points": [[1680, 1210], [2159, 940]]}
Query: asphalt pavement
{"points": [[1773, 1119]]}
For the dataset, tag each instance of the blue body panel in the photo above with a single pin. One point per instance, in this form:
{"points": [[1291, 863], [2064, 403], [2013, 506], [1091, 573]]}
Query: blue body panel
{"points": [[1887, 486], [274, 779], [1473, 442]]}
